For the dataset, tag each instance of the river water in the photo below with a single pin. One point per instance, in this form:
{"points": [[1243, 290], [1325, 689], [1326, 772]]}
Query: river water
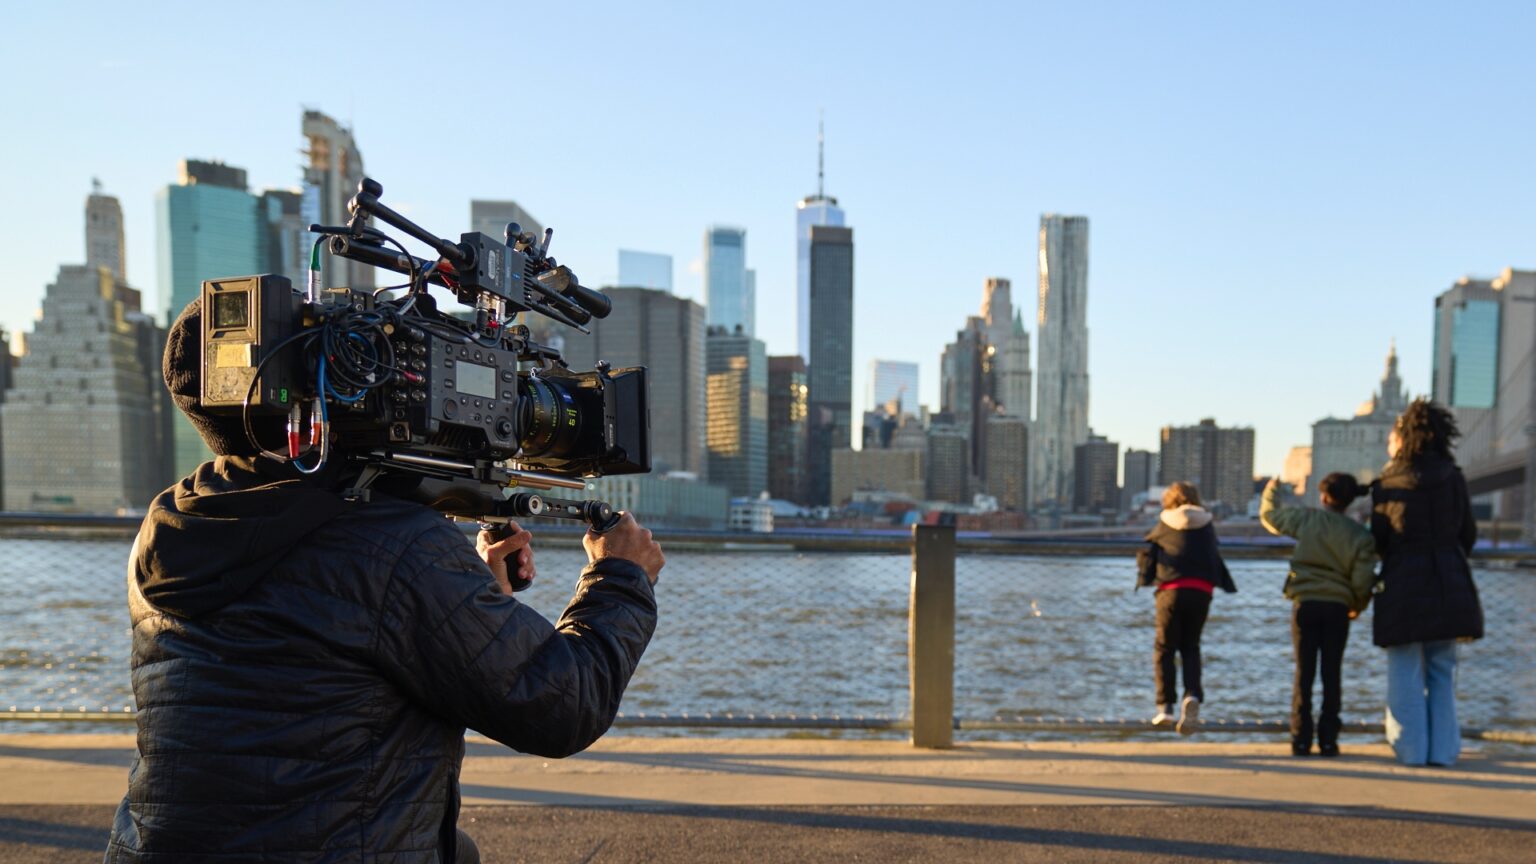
{"points": [[777, 632]]}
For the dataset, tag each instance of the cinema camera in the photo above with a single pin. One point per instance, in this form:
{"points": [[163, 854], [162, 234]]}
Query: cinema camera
{"points": [[466, 411]]}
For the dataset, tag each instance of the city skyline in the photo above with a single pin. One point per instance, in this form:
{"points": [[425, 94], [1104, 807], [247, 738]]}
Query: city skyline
{"points": [[1326, 177]]}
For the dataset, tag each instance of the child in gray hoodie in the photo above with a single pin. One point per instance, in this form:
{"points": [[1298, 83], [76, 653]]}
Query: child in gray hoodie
{"points": [[1182, 560]]}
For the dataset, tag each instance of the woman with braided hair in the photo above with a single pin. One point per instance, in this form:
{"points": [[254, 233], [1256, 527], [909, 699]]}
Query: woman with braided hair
{"points": [[1422, 522]]}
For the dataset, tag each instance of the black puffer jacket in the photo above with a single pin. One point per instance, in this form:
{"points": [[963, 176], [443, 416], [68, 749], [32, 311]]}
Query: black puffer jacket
{"points": [[305, 669], [1182, 545], [1421, 517]]}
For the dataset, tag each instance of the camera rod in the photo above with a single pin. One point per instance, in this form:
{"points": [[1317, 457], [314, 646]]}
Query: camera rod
{"points": [[531, 479], [557, 282], [541, 299]]}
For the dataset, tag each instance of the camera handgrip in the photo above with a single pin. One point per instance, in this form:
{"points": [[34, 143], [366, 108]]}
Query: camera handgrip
{"points": [[500, 531]]}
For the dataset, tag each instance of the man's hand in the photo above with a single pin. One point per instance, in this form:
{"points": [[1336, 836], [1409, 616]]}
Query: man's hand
{"points": [[627, 540], [495, 553]]}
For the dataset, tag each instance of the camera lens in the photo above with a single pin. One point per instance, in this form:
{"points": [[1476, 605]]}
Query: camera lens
{"points": [[550, 418]]}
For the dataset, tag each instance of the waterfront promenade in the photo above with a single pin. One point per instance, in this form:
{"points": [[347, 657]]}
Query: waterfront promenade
{"points": [[717, 799]]}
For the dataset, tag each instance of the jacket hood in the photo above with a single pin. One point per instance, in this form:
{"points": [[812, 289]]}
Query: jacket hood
{"points": [[209, 538], [1186, 517]]}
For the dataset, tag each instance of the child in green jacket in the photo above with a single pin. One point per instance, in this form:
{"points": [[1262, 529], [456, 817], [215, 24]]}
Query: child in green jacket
{"points": [[1332, 571]]}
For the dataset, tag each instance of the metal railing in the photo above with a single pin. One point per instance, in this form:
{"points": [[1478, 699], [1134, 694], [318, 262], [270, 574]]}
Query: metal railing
{"points": [[845, 632]]}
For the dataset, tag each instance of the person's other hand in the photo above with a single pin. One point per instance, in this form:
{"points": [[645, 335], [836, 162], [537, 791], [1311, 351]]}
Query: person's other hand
{"points": [[495, 553], [630, 541]]}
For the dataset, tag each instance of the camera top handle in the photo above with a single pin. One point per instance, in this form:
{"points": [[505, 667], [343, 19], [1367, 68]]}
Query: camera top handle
{"points": [[366, 203]]}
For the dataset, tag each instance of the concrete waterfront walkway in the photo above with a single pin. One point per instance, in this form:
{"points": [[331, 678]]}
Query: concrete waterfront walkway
{"points": [[639, 798]]}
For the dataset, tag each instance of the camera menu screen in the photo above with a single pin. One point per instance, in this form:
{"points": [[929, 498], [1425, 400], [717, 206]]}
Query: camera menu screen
{"points": [[476, 380]]}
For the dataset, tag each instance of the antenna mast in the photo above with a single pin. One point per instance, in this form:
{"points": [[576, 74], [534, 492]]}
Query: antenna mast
{"points": [[821, 146]]}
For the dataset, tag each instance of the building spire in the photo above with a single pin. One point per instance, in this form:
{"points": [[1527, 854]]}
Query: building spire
{"points": [[821, 147], [1392, 398]]}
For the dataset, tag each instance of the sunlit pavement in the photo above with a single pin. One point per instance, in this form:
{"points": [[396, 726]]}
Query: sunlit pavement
{"points": [[636, 799]]}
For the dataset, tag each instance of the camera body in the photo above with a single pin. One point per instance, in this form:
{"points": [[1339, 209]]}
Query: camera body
{"points": [[449, 395], [468, 404]]}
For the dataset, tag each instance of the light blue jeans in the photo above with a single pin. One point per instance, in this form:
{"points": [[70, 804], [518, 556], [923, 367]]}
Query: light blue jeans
{"points": [[1421, 703]]}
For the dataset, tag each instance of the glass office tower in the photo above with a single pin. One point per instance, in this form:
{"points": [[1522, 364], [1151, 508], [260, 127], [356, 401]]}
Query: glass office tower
{"points": [[208, 227], [729, 297]]}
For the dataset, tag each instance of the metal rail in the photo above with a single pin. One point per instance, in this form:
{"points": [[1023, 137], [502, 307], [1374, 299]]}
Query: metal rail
{"points": [[895, 541], [1101, 725]]}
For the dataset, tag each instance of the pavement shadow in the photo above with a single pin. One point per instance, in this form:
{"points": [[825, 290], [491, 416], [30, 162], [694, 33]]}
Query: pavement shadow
{"points": [[110, 756], [1139, 844], [1487, 772], [748, 764], [1096, 795], [40, 832]]}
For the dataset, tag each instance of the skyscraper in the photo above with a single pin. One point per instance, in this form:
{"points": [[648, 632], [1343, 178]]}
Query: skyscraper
{"points": [[1218, 461], [645, 270], [997, 310], [736, 411], [491, 217], [1013, 385], [830, 372], [7, 380], [1061, 404], [1141, 470], [666, 334], [948, 462], [208, 227], [787, 410], [1006, 461], [286, 239], [1096, 464], [892, 380], [104, 246], [729, 297], [1465, 365], [331, 177], [965, 382], [84, 425], [1485, 337], [812, 211]]}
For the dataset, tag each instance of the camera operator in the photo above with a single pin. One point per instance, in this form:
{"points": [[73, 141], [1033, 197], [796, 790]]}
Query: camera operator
{"points": [[305, 667]]}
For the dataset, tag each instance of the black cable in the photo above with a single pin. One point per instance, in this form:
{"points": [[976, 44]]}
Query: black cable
{"points": [[245, 405], [410, 261], [378, 291]]}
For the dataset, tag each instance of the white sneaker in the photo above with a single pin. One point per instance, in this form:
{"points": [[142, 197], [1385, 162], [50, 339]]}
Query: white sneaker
{"points": [[1164, 716], [1189, 716]]}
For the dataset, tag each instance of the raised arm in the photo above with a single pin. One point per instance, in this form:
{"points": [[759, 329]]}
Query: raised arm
{"points": [[460, 647], [1278, 519]]}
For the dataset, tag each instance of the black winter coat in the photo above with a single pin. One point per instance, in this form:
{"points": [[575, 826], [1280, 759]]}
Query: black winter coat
{"points": [[305, 669], [1421, 517], [1188, 551]]}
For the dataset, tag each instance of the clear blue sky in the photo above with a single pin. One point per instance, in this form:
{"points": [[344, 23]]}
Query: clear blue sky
{"points": [[1276, 190]]}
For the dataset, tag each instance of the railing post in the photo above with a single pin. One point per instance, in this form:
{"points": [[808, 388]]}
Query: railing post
{"points": [[931, 636]]}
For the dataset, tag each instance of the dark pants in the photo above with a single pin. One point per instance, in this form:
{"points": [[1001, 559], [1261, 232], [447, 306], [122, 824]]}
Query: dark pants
{"points": [[1318, 627], [466, 852], [1180, 618]]}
